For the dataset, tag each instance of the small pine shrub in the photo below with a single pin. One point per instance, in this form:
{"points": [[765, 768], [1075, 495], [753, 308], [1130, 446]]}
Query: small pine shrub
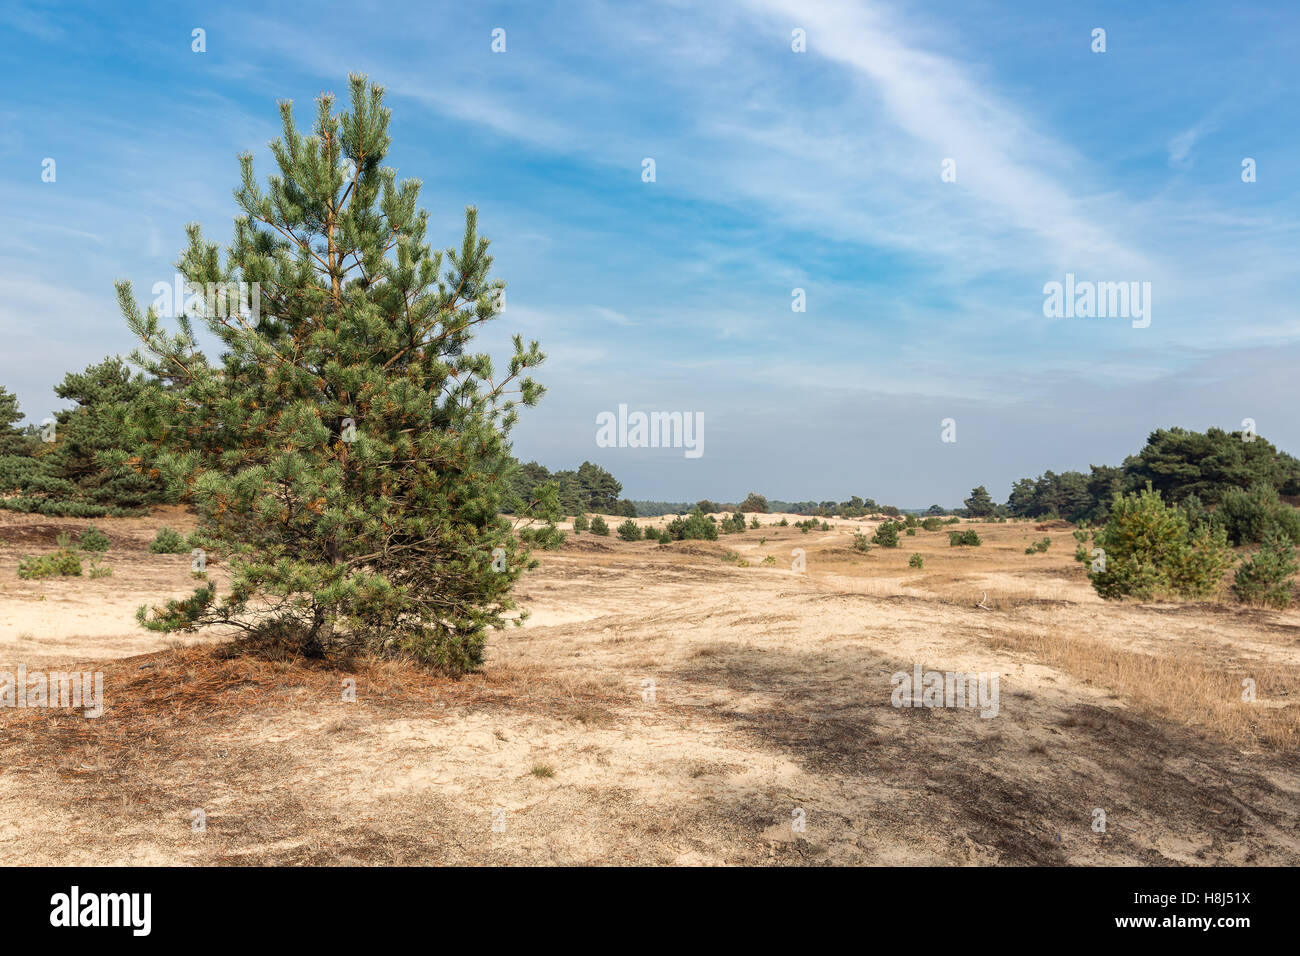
{"points": [[697, 527], [65, 562], [932, 523], [92, 539], [769, 560], [629, 530], [1038, 547], [599, 527], [169, 541], [753, 522], [547, 537], [783, 523], [580, 524], [1149, 551], [98, 570], [964, 539], [916, 561], [1265, 577], [911, 530], [886, 535], [860, 542]]}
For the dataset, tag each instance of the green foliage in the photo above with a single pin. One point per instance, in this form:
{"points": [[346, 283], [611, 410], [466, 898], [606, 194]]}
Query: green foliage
{"points": [[581, 524], [589, 488], [964, 539], [733, 525], [979, 504], [545, 536], [754, 524], [1150, 552], [932, 523], [769, 560], [1038, 547], [348, 453], [599, 526], [783, 523], [886, 535], [65, 562], [696, 527], [860, 542], [92, 539], [1265, 577], [629, 530], [754, 502], [92, 468], [169, 541], [916, 561], [1247, 516], [1179, 463]]}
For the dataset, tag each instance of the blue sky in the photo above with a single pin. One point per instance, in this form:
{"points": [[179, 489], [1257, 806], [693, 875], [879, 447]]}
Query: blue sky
{"points": [[775, 170]]}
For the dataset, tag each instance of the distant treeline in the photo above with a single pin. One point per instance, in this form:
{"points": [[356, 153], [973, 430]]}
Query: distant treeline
{"points": [[588, 489], [1200, 468]]}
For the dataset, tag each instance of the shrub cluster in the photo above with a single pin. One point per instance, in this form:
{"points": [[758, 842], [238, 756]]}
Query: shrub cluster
{"points": [[1148, 551]]}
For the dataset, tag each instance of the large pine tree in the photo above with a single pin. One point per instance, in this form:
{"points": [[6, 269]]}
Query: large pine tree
{"points": [[347, 455]]}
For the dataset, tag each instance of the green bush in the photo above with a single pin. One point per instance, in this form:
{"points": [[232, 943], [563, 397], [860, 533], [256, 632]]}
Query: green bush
{"points": [[629, 530], [783, 523], [932, 523], [753, 522], [964, 539], [1248, 515], [92, 539], [599, 527], [886, 535], [1265, 577], [916, 561], [169, 541], [546, 536], [733, 525], [697, 527], [1038, 547], [580, 524], [860, 542], [65, 562], [910, 531], [1149, 551]]}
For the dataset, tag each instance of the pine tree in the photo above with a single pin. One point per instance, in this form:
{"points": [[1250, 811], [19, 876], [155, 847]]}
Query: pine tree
{"points": [[16, 462], [979, 504], [13, 441], [348, 456]]}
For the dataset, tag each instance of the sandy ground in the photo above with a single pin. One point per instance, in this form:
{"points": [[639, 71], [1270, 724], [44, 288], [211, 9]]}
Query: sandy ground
{"points": [[679, 704]]}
